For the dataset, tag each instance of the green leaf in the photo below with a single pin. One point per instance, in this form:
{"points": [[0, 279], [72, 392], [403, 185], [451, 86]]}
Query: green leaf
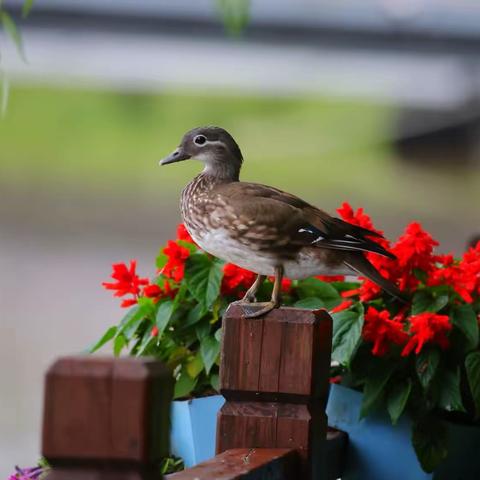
{"points": [[397, 398], [27, 7], [119, 344], [472, 365], [107, 336], [131, 321], [374, 386], [203, 330], [195, 365], [347, 331], [12, 30], [161, 260], [164, 315], [235, 15], [210, 349], [430, 441], [426, 365], [147, 342], [184, 384], [424, 301], [218, 335], [313, 287], [195, 315], [450, 397], [215, 381], [311, 303], [465, 320], [204, 277]]}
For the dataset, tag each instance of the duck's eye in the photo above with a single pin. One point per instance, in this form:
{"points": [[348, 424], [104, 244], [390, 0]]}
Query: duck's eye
{"points": [[200, 139]]}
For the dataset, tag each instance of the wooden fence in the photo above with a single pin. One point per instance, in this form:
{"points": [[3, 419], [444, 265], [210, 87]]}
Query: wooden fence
{"points": [[107, 419]]}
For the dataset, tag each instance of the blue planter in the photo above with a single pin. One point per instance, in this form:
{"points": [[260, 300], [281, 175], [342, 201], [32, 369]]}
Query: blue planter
{"points": [[194, 422], [379, 451]]}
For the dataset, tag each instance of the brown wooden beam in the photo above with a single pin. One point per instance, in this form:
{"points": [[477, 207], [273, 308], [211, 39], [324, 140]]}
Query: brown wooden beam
{"points": [[245, 464]]}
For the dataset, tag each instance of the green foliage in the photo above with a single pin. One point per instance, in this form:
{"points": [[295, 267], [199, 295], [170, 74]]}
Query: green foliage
{"points": [[472, 365], [235, 15], [397, 398], [426, 365], [429, 438], [347, 331]]}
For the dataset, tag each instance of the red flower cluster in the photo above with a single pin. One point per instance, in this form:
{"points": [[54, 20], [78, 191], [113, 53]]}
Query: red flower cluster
{"points": [[175, 267], [414, 251], [331, 278], [127, 282], [236, 280], [427, 327], [463, 276], [380, 329], [182, 234]]}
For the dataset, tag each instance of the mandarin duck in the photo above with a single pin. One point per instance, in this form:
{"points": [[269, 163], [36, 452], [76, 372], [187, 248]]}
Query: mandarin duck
{"points": [[262, 228]]}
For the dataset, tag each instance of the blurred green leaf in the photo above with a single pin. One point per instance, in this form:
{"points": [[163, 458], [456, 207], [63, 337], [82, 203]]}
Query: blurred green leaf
{"points": [[210, 349], [465, 319], [313, 287], [311, 303], [450, 397], [184, 385], [235, 15], [195, 365], [472, 365], [424, 301], [426, 365], [374, 386], [106, 337], [347, 331], [195, 314], [164, 314], [11, 28], [397, 398], [203, 276], [430, 441], [119, 344], [27, 7]]}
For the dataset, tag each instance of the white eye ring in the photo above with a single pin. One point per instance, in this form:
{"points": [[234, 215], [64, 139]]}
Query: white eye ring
{"points": [[200, 140]]}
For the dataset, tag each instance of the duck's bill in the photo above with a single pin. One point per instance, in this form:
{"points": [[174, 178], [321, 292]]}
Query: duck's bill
{"points": [[177, 156]]}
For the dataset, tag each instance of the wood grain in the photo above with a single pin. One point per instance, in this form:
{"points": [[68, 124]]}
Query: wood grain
{"points": [[274, 375], [245, 464], [108, 412]]}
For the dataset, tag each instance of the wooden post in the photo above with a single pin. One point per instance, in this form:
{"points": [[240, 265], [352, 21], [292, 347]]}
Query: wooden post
{"points": [[274, 376], [106, 418]]}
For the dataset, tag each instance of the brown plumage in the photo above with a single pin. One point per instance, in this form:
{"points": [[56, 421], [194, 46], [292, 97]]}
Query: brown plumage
{"points": [[264, 229]]}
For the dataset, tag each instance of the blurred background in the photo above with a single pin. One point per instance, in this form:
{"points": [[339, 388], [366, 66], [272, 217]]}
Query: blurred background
{"points": [[375, 102]]}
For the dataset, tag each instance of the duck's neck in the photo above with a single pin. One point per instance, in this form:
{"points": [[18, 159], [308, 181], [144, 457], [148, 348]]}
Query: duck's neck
{"points": [[222, 172]]}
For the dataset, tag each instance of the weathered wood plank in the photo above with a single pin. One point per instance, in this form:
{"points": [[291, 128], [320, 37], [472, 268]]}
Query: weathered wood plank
{"points": [[245, 464]]}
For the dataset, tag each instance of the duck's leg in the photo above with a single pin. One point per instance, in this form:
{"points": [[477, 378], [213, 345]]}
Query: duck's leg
{"points": [[251, 309], [250, 296]]}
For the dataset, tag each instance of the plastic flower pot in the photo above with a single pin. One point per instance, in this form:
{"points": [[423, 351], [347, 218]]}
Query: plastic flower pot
{"points": [[378, 450], [193, 429]]}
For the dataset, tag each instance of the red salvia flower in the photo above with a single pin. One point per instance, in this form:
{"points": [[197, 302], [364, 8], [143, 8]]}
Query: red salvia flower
{"points": [[154, 332], [175, 267], [236, 280], [427, 327], [380, 329], [342, 306], [127, 282], [182, 234], [331, 278]]}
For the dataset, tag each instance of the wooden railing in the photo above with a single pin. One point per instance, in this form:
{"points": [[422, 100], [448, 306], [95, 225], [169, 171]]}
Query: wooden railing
{"points": [[109, 418]]}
